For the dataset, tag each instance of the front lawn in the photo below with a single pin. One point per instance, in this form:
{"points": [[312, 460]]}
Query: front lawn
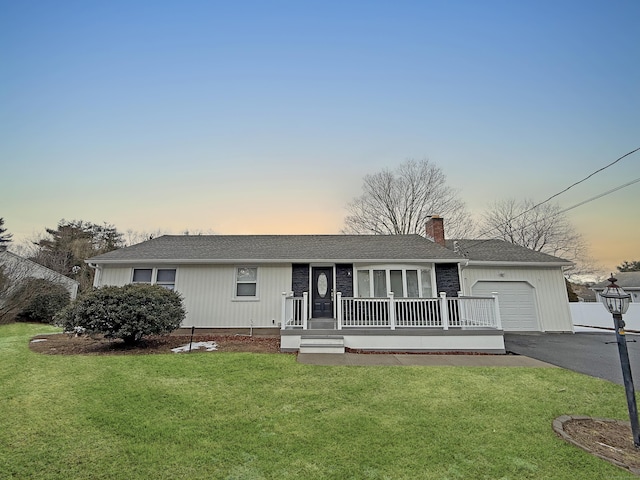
{"points": [[254, 416]]}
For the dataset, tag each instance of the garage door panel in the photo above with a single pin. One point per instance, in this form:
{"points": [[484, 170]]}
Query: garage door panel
{"points": [[517, 303]]}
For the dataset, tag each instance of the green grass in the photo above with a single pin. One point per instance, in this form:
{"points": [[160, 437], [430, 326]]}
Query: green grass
{"points": [[251, 416]]}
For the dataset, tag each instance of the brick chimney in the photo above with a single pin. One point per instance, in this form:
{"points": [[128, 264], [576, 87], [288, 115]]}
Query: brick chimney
{"points": [[434, 229]]}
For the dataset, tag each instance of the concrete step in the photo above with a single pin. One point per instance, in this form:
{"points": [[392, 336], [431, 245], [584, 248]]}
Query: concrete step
{"points": [[321, 344], [322, 324]]}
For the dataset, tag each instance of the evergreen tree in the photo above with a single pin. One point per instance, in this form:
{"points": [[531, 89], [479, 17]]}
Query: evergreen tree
{"points": [[71, 243], [632, 266], [5, 238]]}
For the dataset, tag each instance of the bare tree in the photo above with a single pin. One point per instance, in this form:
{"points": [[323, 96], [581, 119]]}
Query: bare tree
{"points": [[544, 229], [133, 237], [399, 201], [197, 232]]}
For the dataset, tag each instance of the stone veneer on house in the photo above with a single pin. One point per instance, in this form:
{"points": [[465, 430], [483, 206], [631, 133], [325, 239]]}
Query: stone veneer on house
{"points": [[447, 279], [344, 279]]}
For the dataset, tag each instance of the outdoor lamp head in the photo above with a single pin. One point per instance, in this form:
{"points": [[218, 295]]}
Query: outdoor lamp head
{"points": [[614, 298]]}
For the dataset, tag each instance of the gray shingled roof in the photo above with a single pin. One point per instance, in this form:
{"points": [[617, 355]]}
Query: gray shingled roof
{"points": [[500, 251], [624, 280], [296, 248]]}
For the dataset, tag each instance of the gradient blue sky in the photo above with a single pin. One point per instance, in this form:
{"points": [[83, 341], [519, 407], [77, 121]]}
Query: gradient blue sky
{"points": [[262, 117]]}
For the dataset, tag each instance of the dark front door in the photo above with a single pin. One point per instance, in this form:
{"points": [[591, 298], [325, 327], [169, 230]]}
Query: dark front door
{"points": [[322, 292]]}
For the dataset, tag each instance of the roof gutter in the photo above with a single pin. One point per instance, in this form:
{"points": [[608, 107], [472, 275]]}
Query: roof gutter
{"points": [[191, 261], [488, 263]]}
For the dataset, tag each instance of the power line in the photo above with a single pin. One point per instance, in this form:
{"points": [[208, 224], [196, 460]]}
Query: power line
{"points": [[589, 176], [561, 192], [599, 196], [596, 197]]}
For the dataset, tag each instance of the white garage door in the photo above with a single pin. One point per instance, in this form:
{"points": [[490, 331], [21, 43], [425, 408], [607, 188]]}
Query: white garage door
{"points": [[517, 304]]}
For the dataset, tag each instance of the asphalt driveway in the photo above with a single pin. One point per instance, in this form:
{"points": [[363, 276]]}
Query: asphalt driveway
{"points": [[594, 354]]}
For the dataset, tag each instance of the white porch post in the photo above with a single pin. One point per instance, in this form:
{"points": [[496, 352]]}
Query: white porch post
{"points": [[283, 321], [444, 311], [305, 310], [497, 305], [339, 310], [392, 312]]}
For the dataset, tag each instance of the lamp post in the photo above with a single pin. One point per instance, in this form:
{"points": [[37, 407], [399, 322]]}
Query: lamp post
{"points": [[616, 301]]}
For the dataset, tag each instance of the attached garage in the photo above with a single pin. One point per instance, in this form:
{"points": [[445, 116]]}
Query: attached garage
{"points": [[531, 289], [517, 302]]}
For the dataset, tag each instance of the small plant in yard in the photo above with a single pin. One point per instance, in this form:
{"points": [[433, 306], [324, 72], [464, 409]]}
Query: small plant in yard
{"points": [[129, 312]]}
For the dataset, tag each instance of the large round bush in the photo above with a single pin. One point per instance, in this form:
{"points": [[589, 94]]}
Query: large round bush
{"points": [[128, 312]]}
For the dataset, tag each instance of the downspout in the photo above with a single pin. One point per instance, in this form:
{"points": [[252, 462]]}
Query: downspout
{"points": [[97, 276], [463, 287]]}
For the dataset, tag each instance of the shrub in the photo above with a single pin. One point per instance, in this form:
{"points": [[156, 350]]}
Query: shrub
{"points": [[128, 312], [37, 300]]}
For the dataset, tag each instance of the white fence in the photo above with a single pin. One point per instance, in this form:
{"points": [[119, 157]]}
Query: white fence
{"points": [[594, 314]]}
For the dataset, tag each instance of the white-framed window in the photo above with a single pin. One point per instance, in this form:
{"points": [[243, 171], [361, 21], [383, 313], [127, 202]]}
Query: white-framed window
{"points": [[142, 275], [246, 282], [165, 277], [404, 281]]}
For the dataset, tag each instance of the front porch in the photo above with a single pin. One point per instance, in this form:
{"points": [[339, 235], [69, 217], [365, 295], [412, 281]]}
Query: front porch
{"points": [[444, 324]]}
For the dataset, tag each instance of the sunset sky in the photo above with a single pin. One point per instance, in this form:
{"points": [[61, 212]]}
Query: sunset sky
{"points": [[263, 117]]}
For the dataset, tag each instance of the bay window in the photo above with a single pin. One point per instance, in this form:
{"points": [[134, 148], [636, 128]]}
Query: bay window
{"points": [[364, 289], [404, 282]]}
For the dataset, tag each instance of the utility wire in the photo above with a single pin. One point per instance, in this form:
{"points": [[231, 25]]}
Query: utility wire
{"points": [[598, 196], [604, 194], [561, 192], [587, 177]]}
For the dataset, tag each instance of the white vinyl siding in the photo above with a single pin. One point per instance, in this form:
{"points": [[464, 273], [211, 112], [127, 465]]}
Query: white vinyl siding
{"points": [[116, 276], [209, 296], [552, 306]]}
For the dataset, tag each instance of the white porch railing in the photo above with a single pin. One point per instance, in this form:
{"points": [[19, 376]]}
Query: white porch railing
{"points": [[474, 312], [391, 313], [295, 311]]}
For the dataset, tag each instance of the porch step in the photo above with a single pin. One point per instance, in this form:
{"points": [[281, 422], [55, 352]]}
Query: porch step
{"points": [[321, 344], [322, 324]]}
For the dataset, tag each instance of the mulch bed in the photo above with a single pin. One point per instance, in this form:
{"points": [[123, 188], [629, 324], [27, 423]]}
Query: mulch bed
{"points": [[610, 440], [69, 344]]}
